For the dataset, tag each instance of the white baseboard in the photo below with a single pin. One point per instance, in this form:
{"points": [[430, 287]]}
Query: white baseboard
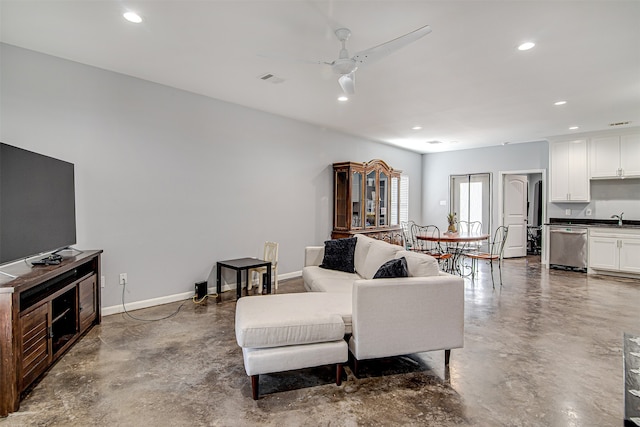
{"points": [[114, 309], [136, 305]]}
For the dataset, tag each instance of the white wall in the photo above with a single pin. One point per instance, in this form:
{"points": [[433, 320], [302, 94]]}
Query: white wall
{"points": [[167, 181], [439, 166]]}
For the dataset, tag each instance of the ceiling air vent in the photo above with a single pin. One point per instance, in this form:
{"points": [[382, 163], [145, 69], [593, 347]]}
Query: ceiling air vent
{"points": [[271, 78], [434, 142], [619, 124]]}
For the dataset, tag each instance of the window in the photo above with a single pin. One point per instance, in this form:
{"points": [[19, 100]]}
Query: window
{"points": [[404, 200]]}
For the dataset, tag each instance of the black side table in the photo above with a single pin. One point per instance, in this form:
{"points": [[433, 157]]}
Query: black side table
{"points": [[238, 265]]}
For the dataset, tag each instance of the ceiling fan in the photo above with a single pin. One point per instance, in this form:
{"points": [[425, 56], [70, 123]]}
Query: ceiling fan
{"points": [[346, 66]]}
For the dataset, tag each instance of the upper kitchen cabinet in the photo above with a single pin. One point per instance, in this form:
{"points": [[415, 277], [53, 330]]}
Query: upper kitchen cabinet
{"points": [[569, 171], [616, 156]]}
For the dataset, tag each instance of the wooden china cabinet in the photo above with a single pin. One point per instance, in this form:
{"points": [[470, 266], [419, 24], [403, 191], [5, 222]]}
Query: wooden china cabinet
{"points": [[366, 201]]}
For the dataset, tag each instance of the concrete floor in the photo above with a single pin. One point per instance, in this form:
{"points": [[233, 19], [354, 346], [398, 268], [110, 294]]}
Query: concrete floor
{"points": [[543, 350]]}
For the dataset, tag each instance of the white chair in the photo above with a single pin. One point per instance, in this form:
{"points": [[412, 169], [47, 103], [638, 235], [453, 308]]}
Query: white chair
{"points": [[271, 255]]}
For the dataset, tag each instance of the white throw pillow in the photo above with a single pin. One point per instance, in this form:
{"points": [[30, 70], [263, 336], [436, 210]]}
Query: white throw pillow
{"points": [[360, 255], [420, 265], [379, 253]]}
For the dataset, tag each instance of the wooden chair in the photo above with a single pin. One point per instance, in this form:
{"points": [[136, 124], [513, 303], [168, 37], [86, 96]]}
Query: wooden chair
{"points": [[270, 254], [496, 250], [431, 247]]}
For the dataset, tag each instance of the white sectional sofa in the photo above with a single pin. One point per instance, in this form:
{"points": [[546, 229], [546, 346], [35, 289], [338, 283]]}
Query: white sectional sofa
{"points": [[394, 316], [382, 317]]}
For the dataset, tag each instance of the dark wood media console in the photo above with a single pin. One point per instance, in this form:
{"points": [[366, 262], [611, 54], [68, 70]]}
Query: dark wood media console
{"points": [[43, 312]]}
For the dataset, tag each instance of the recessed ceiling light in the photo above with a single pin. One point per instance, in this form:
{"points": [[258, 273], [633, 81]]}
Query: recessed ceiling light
{"points": [[343, 98], [574, 128], [559, 102], [132, 17], [416, 128], [526, 46]]}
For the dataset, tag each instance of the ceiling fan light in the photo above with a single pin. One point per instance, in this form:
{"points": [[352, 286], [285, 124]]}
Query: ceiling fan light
{"points": [[132, 17], [526, 46]]}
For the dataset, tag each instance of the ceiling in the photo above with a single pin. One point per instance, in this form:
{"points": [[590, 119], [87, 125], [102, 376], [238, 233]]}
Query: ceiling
{"points": [[466, 84]]}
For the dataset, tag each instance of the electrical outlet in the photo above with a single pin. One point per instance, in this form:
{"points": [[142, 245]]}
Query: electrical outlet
{"points": [[567, 211], [123, 279], [587, 212], [102, 281]]}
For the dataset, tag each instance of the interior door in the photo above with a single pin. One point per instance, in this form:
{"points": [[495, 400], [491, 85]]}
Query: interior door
{"points": [[515, 215]]}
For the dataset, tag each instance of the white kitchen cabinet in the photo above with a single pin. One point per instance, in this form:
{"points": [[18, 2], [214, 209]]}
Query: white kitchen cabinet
{"points": [[614, 249], [616, 156], [569, 171]]}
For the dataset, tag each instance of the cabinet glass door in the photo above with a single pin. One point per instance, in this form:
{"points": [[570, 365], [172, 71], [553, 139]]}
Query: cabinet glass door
{"points": [[383, 200], [341, 190], [356, 200], [371, 199]]}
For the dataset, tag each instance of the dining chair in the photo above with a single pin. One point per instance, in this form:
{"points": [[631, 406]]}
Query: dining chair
{"points": [[495, 254], [432, 246], [471, 227], [407, 235], [270, 254]]}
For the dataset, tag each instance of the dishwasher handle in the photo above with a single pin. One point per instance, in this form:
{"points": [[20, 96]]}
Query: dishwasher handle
{"points": [[568, 231]]}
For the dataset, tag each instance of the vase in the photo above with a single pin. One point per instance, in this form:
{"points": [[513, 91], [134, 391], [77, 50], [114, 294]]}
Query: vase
{"points": [[451, 228]]}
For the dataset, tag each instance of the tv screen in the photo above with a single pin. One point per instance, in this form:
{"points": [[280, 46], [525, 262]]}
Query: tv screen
{"points": [[37, 204]]}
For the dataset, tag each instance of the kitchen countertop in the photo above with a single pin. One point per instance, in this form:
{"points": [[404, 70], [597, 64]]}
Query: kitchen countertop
{"points": [[605, 223]]}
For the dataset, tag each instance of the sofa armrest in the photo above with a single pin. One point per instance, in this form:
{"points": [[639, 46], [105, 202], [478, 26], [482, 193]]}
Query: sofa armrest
{"points": [[407, 315], [313, 255]]}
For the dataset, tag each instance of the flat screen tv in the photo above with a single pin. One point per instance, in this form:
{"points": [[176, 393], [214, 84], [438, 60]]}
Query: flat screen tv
{"points": [[37, 204]]}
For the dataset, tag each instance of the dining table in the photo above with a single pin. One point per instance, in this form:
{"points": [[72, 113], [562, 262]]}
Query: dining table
{"points": [[455, 244]]}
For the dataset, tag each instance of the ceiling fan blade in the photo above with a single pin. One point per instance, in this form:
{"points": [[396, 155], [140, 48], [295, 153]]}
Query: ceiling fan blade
{"points": [[377, 52], [348, 83]]}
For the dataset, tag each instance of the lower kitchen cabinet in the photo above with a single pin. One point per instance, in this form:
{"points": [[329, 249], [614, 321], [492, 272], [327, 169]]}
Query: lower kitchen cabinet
{"points": [[616, 250]]}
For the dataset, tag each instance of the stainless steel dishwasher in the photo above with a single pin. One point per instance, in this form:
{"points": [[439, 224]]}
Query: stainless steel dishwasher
{"points": [[568, 246]]}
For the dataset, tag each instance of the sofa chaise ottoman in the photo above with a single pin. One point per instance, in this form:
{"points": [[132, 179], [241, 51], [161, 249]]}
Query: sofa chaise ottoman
{"points": [[290, 331]]}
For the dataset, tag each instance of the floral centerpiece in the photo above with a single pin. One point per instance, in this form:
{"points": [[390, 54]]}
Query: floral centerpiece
{"points": [[451, 218]]}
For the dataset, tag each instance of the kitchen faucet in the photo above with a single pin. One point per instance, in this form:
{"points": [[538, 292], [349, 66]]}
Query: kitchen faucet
{"points": [[619, 218]]}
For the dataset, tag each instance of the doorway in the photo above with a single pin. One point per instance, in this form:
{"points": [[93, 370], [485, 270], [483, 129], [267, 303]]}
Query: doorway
{"points": [[471, 198], [521, 206]]}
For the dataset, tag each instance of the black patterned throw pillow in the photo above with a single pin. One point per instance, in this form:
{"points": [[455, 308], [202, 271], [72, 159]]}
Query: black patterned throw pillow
{"points": [[338, 254], [393, 268]]}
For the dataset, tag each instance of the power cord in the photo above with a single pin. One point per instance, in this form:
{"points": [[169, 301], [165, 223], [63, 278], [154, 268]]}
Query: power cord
{"points": [[124, 307], [195, 301]]}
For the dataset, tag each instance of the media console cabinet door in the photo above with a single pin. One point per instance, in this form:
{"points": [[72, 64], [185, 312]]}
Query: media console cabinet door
{"points": [[87, 302], [35, 346]]}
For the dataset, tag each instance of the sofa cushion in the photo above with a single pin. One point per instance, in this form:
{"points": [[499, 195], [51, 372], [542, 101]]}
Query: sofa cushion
{"points": [[360, 254], [338, 254], [379, 253], [322, 280], [420, 265], [393, 268], [286, 319]]}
